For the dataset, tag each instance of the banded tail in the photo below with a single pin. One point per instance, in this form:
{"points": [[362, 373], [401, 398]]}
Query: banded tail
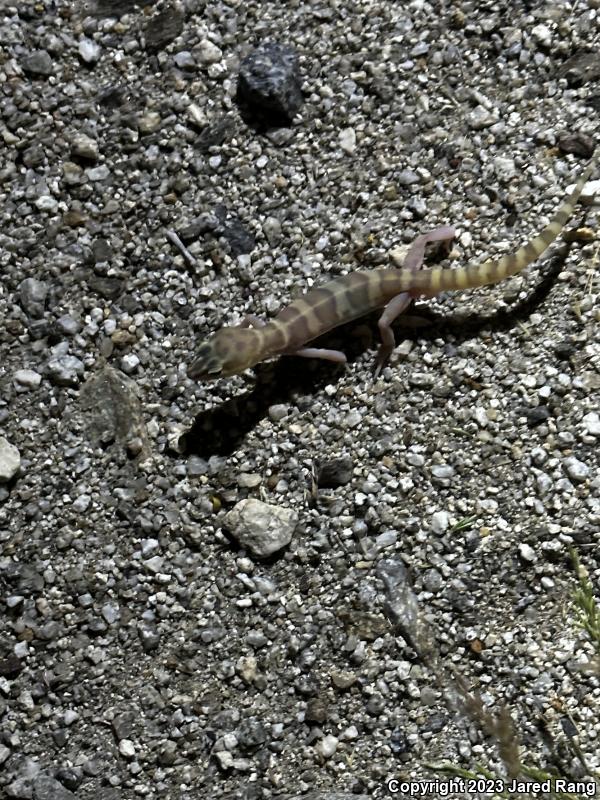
{"points": [[438, 279]]}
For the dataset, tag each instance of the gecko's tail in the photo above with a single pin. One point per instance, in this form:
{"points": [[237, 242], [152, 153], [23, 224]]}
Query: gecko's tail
{"points": [[438, 279]]}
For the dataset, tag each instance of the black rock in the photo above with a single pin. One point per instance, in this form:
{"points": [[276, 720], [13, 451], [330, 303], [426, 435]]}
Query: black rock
{"points": [[269, 82], [39, 62], [162, 28]]}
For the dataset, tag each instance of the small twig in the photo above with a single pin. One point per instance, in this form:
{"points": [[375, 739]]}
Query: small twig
{"points": [[174, 239]]}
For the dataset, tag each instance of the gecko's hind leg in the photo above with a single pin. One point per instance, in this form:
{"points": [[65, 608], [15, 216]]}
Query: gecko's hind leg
{"points": [[393, 309], [416, 254], [399, 303]]}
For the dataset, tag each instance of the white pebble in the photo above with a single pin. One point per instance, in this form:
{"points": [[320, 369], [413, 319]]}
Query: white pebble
{"points": [[69, 717], [347, 140], [207, 52], [126, 748], [327, 746], [439, 522], [591, 424], [129, 363], [26, 379], [89, 51], [542, 35], [10, 460], [527, 552], [46, 202], [576, 470]]}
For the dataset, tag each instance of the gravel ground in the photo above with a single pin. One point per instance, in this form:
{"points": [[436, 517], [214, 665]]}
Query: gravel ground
{"points": [[297, 582]]}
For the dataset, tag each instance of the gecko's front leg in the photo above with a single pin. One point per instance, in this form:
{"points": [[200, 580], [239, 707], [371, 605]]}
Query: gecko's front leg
{"points": [[250, 320], [319, 352], [399, 303]]}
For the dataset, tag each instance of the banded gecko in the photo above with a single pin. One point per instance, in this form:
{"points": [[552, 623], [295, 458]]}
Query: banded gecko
{"points": [[233, 349]]}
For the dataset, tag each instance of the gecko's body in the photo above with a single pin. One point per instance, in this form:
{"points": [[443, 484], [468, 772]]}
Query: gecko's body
{"points": [[232, 350]]}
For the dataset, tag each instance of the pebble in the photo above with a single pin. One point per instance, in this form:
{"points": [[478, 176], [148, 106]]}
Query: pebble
{"points": [[39, 62], [129, 363], [539, 456], [480, 416], [591, 424], [249, 480], [100, 173], [110, 612], [269, 80], [347, 139], [407, 177], [535, 416], [327, 746], [10, 460], [163, 28], [46, 202], [505, 169], [82, 503], [149, 122], [263, 529], [127, 748], [334, 472], [148, 546], [542, 35], [544, 484], [480, 118], [353, 418], [272, 230], [278, 412], [421, 380], [207, 52], [576, 470], [89, 51], [185, 60], [26, 379], [432, 581], [155, 564], [440, 522], [442, 472], [46, 787], [527, 552], [83, 146], [68, 326], [33, 293], [386, 539], [70, 716], [65, 370]]}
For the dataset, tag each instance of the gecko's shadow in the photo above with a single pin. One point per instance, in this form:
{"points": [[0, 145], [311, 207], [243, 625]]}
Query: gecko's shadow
{"points": [[219, 430]]}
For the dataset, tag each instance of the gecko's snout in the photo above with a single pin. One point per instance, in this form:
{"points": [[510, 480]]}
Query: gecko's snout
{"points": [[207, 365], [229, 352]]}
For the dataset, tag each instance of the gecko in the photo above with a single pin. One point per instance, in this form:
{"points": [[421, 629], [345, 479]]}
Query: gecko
{"points": [[232, 350]]}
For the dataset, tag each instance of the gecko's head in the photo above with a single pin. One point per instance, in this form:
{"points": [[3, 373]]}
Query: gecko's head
{"points": [[229, 351]]}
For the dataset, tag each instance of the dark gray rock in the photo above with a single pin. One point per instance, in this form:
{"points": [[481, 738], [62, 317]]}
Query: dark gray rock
{"points": [[162, 28], [335, 472], [269, 82], [33, 295], [39, 62], [116, 8], [65, 370], [46, 787]]}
